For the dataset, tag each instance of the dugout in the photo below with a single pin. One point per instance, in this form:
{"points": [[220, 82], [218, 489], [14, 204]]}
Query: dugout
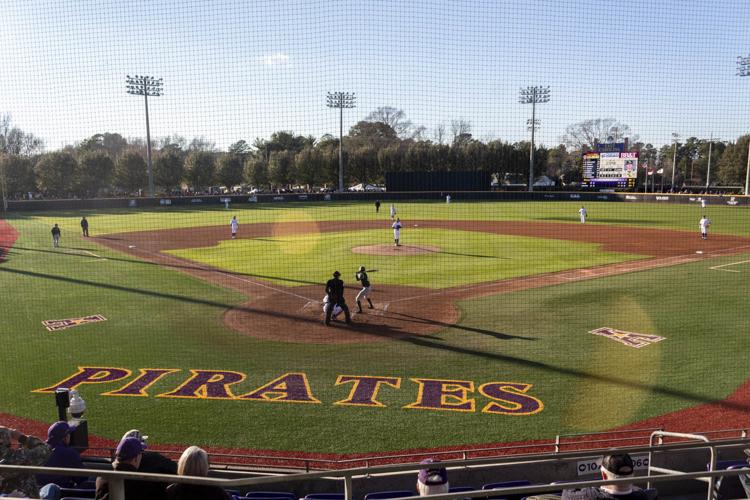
{"points": [[437, 181]]}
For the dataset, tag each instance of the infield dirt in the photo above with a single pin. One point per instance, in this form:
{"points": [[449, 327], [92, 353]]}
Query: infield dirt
{"points": [[294, 314]]}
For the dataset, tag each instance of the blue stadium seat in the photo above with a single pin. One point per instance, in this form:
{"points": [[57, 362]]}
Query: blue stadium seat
{"points": [[267, 495], [383, 495], [730, 487], [725, 464], [459, 489], [75, 498], [509, 484], [324, 496]]}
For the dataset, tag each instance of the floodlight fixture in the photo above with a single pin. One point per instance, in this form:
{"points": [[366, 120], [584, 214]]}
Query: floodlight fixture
{"points": [[533, 95], [341, 100], [743, 69], [146, 86]]}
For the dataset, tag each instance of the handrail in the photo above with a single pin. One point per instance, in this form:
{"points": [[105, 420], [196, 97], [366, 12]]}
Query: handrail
{"points": [[696, 437], [346, 475]]}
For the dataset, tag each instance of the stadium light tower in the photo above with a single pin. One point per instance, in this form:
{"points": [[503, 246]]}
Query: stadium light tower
{"points": [[341, 100], [743, 69], [533, 95], [675, 137], [146, 86]]}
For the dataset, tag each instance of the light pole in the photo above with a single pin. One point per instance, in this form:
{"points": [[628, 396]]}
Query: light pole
{"points": [[341, 100], [708, 170], [533, 95], [675, 136], [743, 69], [146, 86]]}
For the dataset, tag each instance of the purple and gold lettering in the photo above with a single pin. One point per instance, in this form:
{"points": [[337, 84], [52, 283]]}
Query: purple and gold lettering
{"points": [[288, 388], [146, 378], [207, 384], [89, 375], [510, 399], [365, 389], [448, 395]]}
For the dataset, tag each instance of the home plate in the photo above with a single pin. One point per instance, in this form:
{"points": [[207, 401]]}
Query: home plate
{"points": [[131, 246], [699, 251]]}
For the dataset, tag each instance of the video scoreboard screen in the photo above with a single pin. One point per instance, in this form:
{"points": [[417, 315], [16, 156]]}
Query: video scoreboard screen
{"points": [[616, 169]]}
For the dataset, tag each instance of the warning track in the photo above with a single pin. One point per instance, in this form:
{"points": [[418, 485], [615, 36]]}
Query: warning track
{"points": [[293, 314]]}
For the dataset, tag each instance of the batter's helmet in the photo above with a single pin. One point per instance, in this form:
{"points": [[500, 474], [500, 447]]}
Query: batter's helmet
{"points": [[362, 268], [336, 274]]}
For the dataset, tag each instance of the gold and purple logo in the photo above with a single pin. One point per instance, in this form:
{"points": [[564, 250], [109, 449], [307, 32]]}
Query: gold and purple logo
{"points": [[630, 339], [54, 325]]}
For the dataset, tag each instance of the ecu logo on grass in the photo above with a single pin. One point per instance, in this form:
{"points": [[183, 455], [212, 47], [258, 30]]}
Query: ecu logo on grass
{"points": [[499, 398], [630, 339], [54, 325]]}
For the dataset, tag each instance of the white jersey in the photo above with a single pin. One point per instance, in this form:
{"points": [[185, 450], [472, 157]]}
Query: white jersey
{"points": [[582, 213], [393, 211], [703, 203], [396, 229], [235, 225], [704, 223]]}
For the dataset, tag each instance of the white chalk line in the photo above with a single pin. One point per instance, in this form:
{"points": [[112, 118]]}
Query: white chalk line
{"points": [[719, 268]]}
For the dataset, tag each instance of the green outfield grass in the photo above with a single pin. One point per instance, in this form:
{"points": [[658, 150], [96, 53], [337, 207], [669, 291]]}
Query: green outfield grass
{"points": [[726, 219], [465, 257], [161, 318]]}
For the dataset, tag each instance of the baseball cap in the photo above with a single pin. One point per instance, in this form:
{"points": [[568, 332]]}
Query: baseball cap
{"points": [[622, 465], [135, 433], [129, 448], [433, 475], [336, 273], [57, 431]]}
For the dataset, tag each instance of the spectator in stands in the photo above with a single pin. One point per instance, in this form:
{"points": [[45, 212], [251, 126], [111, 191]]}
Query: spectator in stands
{"points": [[155, 463], [63, 455], [194, 462], [31, 451], [613, 467], [745, 478], [433, 479], [127, 459]]}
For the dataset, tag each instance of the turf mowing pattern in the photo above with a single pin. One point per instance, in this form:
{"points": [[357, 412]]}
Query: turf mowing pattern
{"points": [[162, 318]]}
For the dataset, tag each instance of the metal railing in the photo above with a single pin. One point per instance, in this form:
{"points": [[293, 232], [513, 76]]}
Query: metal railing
{"points": [[346, 476]]}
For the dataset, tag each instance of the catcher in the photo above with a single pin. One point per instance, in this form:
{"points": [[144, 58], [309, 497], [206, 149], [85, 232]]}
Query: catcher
{"points": [[366, 288], [335, 293]]}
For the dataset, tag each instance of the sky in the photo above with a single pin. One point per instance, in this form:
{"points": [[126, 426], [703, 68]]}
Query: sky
{"points": [[244, 69]]}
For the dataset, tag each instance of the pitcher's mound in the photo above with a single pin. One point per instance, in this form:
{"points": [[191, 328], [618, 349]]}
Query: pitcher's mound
{"points": [[395, 250]]}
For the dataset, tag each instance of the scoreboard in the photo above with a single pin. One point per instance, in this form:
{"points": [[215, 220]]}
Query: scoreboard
{"points": [[616, 169]]}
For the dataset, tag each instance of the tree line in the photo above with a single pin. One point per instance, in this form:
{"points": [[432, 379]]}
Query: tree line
{"points": [[108, 164]]}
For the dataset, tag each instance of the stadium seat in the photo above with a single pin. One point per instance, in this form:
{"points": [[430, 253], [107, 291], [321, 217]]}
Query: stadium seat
{"points": [[324, 496], [508, 484], [78, 492], [383, 495], [267, 495], [726, 464], [459, 489], [75, 498], [730, 487]]}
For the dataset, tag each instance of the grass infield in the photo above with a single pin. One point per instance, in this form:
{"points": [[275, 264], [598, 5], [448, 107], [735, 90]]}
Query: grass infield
{"points": [[162, 318]]}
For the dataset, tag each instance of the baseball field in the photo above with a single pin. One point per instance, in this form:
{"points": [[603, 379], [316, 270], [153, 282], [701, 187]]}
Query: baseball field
{"points": [[492, 323]]}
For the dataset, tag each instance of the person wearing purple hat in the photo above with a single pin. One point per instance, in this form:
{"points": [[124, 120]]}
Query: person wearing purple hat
{"points": [[63, 455], [613, 467], [127, 459], [432, 480]]}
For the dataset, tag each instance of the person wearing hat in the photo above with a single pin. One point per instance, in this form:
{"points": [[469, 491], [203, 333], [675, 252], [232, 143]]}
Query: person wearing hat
{"points": [[432, 480], [613, 467], [30, 451], [366, 287], [63, 455], [127, 459], [335, 293], [155, 463]]}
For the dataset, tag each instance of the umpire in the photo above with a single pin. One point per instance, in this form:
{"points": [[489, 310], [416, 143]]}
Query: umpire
{"points": [[335, 292]]}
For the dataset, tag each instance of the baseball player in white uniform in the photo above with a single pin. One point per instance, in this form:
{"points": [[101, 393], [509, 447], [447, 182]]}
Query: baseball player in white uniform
{"points": [[582, 213], [704, 223], [234, 225], [703, 203], [366, 287], [393, 210], [396, 232], [336, 308]]}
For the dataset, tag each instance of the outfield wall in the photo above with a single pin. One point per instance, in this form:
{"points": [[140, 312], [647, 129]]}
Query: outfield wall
{"points": [[385, 197]]}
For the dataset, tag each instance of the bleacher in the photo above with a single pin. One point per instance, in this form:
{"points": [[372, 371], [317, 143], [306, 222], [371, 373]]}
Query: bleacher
{"points": [[676, 465]]}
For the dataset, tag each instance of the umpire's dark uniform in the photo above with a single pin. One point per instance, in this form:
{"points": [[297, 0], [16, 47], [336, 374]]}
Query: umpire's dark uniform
{"points": [[335, 292]]}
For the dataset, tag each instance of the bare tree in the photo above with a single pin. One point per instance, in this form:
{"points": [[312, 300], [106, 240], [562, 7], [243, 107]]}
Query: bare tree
{"points": [[15, 141], [587, 133], [440, 133], [394, 118], [460, 128]]}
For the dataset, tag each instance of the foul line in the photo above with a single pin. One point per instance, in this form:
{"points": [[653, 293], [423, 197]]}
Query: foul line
{"points": [[719, 268]]}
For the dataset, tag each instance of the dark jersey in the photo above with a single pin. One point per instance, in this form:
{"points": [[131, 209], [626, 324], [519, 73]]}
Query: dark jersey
{"points": [[335, 289], [84, 223], [362, 276], [56, 231]]}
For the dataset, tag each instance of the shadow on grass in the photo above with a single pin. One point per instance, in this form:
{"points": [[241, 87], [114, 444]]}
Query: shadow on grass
{"points": [[404, 336]]}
